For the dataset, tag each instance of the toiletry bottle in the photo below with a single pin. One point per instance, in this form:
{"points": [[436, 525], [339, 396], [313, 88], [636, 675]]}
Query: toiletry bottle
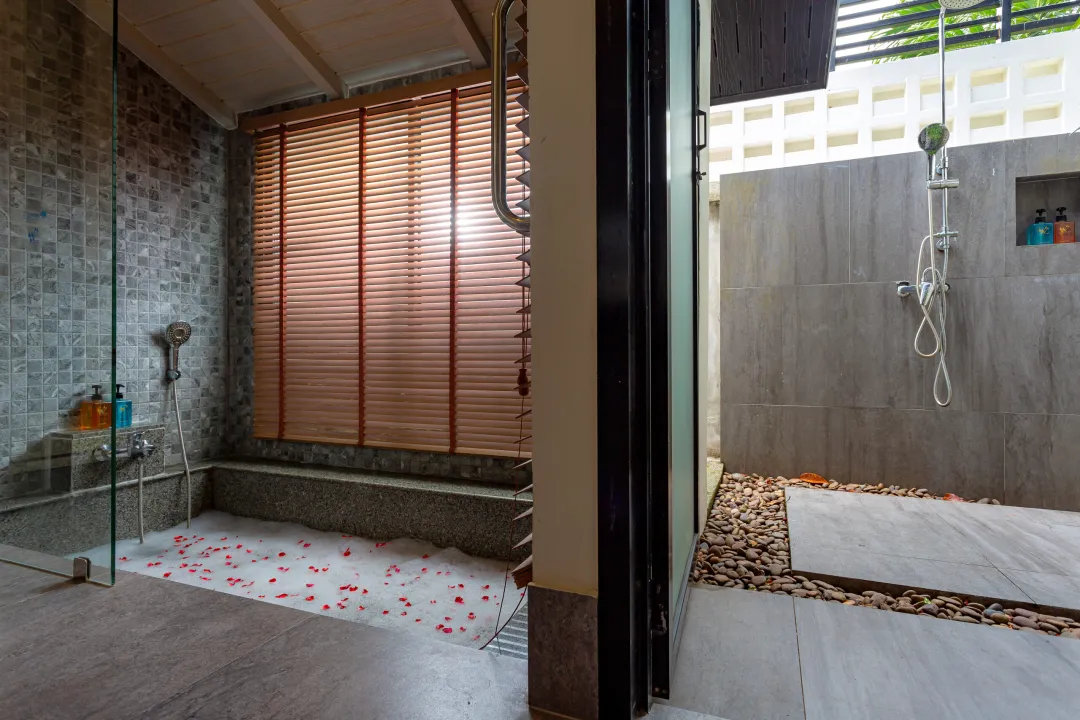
{"points": [[86, 410], [122, 408], [1041, 232], [1064, 229], [102, 411]]}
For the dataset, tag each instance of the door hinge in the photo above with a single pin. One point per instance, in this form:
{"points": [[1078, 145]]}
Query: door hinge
{"points": [[658, 613]]}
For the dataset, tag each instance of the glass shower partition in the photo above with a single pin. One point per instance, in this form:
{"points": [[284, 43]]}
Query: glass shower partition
{"points": [[57, 285]]}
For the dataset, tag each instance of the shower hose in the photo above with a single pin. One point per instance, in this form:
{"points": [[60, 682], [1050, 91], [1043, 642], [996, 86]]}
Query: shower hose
{"points": [[934, 280], [183, 449]]}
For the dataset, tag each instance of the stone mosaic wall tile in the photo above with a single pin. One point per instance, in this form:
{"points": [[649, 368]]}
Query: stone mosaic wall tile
{"points": [[56, 243]]}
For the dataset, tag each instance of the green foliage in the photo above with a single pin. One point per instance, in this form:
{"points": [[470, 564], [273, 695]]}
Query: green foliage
{"points": [[989, 15]]}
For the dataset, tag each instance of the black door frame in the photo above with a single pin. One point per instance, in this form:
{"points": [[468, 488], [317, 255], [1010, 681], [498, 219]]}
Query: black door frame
{"points": [[622, 391], [633, 473]]}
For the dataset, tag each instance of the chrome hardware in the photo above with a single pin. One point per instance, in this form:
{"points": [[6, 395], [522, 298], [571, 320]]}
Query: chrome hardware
{"points": [[517, 223]]}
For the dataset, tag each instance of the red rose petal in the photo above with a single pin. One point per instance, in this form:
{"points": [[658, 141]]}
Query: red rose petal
{"points": [[281, 554], [472, 616], [359, 607], [385, 612], [311, 584], [309, 598], [273, 579], [348, 552], [486, 587], [448, 630], [282, 595], [167, 574], [459, 600], [325, 607], [485, 598]]}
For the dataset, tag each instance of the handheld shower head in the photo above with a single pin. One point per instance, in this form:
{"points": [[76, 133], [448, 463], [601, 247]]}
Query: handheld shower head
{"points": [[176, 335]]}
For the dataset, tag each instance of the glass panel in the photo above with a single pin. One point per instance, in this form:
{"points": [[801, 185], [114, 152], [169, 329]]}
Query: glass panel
{"points": [[681, 288], [57, 229]]}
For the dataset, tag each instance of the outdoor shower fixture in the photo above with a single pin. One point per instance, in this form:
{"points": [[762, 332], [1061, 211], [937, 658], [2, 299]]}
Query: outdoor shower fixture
{"points": [[932, 281], [176, 335]]}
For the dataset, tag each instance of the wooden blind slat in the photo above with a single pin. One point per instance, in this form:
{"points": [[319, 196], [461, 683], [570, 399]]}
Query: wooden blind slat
{"points": [[385, 303]]}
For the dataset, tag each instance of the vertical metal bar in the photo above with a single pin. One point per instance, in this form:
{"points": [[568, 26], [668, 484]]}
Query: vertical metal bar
{"points": [[360, 420], [282, 218], [498, 120], [1005, 31], [941, 59], [453, 266]]}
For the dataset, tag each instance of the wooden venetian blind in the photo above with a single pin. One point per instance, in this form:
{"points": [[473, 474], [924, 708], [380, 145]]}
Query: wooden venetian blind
{"points": [[385, 296]]}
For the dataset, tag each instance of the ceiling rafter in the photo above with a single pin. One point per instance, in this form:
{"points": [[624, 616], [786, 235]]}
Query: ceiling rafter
{"points": [[267, 14], [100, 12], [467, 33]]}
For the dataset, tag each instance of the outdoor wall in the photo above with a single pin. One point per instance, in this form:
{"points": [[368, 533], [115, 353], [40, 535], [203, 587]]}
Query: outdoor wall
{"points": [[55, 289], [811, 349]]}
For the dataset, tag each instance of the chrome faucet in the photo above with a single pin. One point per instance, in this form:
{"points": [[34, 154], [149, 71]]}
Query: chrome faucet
{"points": [[139, 447]]}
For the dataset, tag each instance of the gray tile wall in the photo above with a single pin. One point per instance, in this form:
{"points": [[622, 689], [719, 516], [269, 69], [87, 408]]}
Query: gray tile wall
{"points": [[55, 290], [811, 359]]}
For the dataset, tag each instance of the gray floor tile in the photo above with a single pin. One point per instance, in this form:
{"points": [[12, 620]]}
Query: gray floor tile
{"points": [[972, 580], [19, 583], [739, 657], [855, 521], [1050, 591], [1016, 538], [667, 712], [860, 663], [327, 669], [93, 652]]}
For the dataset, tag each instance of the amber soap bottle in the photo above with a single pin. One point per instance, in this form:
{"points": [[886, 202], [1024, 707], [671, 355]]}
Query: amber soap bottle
{"points": [[1064, 229]]}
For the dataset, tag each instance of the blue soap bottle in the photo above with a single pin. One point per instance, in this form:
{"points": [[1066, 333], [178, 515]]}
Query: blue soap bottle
{"points": [[1040, 232], [122, 408]]}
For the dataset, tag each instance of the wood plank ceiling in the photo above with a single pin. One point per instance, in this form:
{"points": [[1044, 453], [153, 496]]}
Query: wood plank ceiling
{"points": [[230, 56], [762, 48]]}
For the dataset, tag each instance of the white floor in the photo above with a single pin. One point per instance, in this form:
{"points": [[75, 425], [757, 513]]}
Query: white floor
{"points": [[401, 584]]}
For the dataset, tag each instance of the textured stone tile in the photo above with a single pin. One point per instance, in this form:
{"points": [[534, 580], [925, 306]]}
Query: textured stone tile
{"points": [[758, 214], [159, 638], [785, 440], [1042, 453], [1011, 340], [759, 338], [882, 367], [22, 583], [888, 216], [473, 517], [328, 669], [953, 452], [739, 656], [563, 672], [859, 663], [980, 210]]}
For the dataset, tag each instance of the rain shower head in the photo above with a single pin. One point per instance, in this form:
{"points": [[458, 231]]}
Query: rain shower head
{"points": [[176, 335], [933, 137], [959, 4]]}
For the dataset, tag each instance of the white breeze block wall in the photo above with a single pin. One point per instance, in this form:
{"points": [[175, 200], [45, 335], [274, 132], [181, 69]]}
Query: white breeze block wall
{"points": [[1017, 89]]}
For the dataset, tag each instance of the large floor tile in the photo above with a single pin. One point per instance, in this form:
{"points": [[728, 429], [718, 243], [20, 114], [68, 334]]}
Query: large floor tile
{"points": [[326, 669], [976, 581], [854, 521], [739, 657], [113, 653], [859, 663], [1047, 590], [1016, 538], [19, 583]]}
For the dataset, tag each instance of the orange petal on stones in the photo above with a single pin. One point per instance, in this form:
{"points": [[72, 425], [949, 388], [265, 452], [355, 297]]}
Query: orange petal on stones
{"points": [[953, 498], [813, 479]]}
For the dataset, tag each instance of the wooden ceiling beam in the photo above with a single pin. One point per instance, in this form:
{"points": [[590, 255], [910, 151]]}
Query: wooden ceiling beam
{"points": [[468, 35], [271, 19], [101, 13]]}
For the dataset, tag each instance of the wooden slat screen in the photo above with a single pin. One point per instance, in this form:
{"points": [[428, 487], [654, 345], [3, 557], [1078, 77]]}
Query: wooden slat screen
{"points": [[385, 296]]}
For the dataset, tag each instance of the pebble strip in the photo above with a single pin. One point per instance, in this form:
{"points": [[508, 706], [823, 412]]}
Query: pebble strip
{"points": [[745, 545]]}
